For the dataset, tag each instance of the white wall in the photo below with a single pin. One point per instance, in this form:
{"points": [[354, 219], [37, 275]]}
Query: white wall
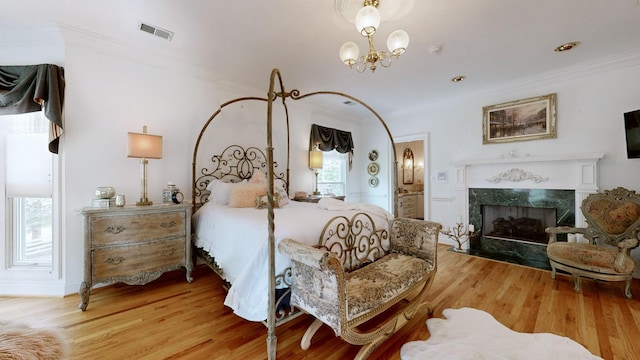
{"points": [[590, 106]]}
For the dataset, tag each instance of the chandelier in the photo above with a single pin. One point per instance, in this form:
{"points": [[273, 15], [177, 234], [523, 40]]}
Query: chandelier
{"points": [[367, 22]]}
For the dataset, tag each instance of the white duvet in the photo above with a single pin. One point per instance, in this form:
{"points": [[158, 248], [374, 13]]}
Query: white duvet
{"points": [[238, 240]]}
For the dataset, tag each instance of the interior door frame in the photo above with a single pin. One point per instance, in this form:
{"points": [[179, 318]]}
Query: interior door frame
{"points": [[424, 137]]}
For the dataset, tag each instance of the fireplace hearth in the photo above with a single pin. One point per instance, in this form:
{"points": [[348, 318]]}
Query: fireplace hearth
{"points": [[511, 222]]}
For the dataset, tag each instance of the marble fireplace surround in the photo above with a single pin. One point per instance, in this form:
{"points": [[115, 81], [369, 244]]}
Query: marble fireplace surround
{"points": [[513, 177]]}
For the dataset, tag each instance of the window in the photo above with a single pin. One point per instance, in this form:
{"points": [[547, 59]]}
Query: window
{"points": [[332, 178], [26, 179]]}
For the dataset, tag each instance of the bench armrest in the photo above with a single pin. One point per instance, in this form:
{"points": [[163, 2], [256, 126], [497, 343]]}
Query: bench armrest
{"points": [[308, 255], [317, 282], [415, 237]]}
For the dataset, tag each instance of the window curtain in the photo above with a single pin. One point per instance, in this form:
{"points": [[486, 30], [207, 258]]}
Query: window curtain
{"points": [[329, 139], [32, 88]]}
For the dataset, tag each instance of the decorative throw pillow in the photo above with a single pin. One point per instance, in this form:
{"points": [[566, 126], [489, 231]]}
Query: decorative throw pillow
{"points": [[262, 201], [244, 194]]}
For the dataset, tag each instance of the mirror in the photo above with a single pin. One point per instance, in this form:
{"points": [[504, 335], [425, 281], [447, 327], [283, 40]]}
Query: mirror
{"points": [[407, 167]]}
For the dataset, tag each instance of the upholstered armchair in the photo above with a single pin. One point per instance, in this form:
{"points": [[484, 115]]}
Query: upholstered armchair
{"points": [[613, 223]]}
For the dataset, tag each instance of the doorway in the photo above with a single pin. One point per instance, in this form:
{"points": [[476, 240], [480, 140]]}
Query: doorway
{"points": [[413, 171]]}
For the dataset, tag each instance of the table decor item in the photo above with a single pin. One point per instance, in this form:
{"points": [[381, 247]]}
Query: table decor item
{"points": [[104, 197]]}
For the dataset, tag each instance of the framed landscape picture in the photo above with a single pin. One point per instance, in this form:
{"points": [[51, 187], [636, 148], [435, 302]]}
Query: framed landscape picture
{"points": [[527, 119]]}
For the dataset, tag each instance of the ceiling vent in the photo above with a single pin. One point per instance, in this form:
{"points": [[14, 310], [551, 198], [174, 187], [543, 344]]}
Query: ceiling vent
{"points": [[154, 30]]}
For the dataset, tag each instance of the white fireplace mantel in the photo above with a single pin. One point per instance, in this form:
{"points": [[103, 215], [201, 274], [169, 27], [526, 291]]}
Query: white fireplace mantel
{"points": [[531, 159], [577, 172]]}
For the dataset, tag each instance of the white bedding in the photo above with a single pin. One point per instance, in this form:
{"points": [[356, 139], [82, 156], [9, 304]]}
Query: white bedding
{"points": [[238, 240]]}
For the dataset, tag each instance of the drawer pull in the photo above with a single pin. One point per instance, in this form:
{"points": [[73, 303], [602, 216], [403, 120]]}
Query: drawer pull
{"points": [[115, 261], [168, 251], [115, 229], [168, 224]]}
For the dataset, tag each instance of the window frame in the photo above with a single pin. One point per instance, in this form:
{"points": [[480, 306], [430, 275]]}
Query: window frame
{"points": [[344, 160], [13, 270]]}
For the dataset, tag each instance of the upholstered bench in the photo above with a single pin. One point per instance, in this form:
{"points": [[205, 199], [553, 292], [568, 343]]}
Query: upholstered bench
{"points": [[349, 279]]}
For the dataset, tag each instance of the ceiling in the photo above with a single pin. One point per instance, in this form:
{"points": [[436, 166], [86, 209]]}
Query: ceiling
{"points": [[493, 43]]}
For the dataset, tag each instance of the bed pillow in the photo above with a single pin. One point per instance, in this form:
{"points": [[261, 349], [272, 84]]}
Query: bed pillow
{"points": [[220, 192], [258, 177], [279, 184], [284, 197], [244, 194]]}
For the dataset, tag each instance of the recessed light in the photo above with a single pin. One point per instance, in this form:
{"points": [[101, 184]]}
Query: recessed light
{"points": [[567, 46], [458, 78]]}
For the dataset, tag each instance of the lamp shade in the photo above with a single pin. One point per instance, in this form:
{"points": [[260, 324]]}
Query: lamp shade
{"points": [[349, 53], [144, 146], [367, 20], [315, 159], [398, 42]]}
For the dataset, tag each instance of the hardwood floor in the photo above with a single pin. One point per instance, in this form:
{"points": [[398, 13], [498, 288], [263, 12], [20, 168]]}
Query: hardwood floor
{"points": [[172, 319]]}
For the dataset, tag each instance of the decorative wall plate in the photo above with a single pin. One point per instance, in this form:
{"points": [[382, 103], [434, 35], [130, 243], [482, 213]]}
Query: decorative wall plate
{"points": [[373, 181], [373, 155], [373, 168]]}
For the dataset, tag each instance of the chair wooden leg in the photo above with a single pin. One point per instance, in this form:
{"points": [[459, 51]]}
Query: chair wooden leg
{"points": [[311, 330], [627, 289], [576, 283], [553, 272]]}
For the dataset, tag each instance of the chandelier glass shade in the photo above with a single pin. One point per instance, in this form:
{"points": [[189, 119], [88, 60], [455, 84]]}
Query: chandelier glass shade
{"points": [[367, 22]]}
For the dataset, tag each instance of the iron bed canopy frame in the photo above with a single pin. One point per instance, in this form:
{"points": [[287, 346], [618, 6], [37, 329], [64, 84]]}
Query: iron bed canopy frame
{"points": [[273, 94]]}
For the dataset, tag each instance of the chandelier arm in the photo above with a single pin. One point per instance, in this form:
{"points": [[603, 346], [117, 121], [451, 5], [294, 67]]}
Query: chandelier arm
{"points": [[361, 64], [385, 59]]}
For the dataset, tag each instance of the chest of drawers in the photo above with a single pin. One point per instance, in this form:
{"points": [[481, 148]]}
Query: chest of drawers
{"points": [[134, 244], [408, 206]]}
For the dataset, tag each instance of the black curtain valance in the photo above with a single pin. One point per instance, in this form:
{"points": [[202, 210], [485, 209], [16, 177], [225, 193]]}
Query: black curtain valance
{"points": [[25, 89], [329, 139]]}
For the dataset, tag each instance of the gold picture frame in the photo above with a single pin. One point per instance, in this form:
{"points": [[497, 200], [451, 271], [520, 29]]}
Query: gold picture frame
{"points": [[521, 120]]}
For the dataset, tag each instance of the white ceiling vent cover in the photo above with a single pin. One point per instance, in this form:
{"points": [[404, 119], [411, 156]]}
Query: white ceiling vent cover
{"points": [[154, 30]]}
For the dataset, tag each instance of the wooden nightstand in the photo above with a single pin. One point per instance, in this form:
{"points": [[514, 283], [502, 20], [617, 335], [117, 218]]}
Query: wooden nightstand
{"points": [[134, 244], [315, 199]]}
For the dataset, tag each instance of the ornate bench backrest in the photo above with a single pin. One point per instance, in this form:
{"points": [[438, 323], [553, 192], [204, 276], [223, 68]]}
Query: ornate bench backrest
{"points": [[355, 241]]}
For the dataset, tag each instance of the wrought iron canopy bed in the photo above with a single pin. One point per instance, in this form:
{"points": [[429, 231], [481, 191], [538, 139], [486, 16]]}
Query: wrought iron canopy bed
{"points": [[237, 164]]}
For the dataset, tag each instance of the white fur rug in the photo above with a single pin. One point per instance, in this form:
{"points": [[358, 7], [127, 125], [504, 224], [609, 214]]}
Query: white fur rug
{"points": [[468, 333], [21, 342]]}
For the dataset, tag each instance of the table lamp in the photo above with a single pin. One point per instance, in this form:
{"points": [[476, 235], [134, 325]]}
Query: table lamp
{"points": [[144, 146], [315, 163]]}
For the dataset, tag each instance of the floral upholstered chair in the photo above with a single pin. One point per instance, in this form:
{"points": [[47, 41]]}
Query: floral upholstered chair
{"points": [[613, 220]]}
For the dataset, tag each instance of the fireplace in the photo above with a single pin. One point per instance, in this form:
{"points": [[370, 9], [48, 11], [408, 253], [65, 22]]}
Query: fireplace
{"points": [[510, 222], [510, 199], [517, 223]]}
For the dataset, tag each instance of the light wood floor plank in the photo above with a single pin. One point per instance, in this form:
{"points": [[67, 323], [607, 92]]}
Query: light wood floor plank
{"points": [[172, 319]]}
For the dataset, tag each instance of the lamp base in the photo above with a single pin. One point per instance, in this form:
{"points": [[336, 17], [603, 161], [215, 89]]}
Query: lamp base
{"points": [[316, 193], [144, 203]]}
